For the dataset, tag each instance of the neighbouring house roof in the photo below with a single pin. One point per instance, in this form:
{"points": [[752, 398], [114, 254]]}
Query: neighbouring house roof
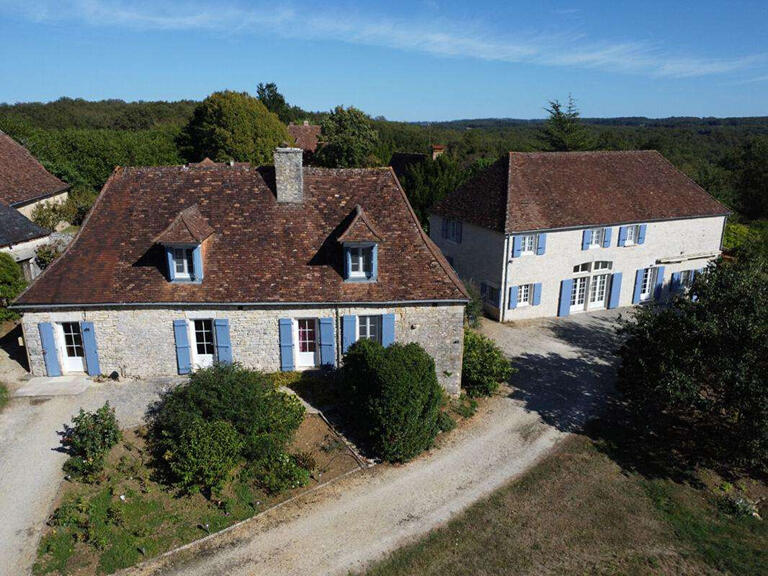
{"points": [[551, 190], [261, 252], [360, 228], [307, 136], [22, 178], [16, 228], [189, 227], [401, 161]]}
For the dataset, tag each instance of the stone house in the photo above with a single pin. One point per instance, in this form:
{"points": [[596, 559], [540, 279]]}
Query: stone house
{"points": [[278, 268], [20, 237], [24, 183], [553, 234]]}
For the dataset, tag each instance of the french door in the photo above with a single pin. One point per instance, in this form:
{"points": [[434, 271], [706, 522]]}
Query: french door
{"points": [[205, 347], [578, 294], [598, 291], [71, 342], [306, 352]]}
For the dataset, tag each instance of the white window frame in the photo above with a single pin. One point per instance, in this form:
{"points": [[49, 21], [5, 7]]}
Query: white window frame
{"points": [[357, 260], [635, 230], [453, 230], [597, 237], [648, 283], [528, 244], [602, 265], [371, 325], [583, 268], [524, 295], [184, 256], [686, 278], [192, 331], [576, 306], [495, 302]]}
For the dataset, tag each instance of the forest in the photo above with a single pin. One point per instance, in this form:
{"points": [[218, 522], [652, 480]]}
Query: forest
{"points": [[82, 141]]}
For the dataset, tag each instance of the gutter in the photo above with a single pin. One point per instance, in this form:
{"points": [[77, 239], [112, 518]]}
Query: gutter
{"points": [[251, 305], [23, 203]]}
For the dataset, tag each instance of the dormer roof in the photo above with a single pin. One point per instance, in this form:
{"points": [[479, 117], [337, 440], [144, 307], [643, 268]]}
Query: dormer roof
{"points": [[360, 228], [188, 227]]}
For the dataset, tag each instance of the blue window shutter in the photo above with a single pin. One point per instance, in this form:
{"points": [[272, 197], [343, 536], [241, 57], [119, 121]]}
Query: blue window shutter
{"points": [[674, 283], [387, 329], [286, 344], [659, 282], [537, 294], [622, 236], [607, 238], [641, 234], [638, 285], [347, 262], [327, 342], [90, 348], [48, 341], [513, 290], [183, 358], [197, 263], [541, 244], [586, 238], [171, 264], [613, 302], [375, 262], [566, 287], [348, 332], [223, 344], [517, 246]]}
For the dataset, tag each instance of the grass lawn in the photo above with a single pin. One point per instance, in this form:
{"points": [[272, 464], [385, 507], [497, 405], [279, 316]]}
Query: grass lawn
{"points": [[128, 516], [578, 512]]}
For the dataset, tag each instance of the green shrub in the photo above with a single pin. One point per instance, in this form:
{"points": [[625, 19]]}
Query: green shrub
{"points": [[445, 422], [484, 367], [88, 441], [395, 395], [464, 406], [4, 396], [45, 254], [205, 455], [473, 311], [280, 472], [47, 215], [263, 418], [11, 284]]}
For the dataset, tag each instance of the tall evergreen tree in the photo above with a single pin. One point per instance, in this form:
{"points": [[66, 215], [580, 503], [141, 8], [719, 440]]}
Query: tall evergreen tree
{"points": [[563, 130]]}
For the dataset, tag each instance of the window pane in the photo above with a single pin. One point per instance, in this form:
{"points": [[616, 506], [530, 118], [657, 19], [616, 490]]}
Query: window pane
{"points": [[204, 337]]}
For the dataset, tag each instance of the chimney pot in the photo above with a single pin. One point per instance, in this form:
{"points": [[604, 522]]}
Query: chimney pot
{"points": [[289, 175]]}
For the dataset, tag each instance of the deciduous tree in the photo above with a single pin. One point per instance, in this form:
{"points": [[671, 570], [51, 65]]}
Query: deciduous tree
{"points": [[349, 139]]}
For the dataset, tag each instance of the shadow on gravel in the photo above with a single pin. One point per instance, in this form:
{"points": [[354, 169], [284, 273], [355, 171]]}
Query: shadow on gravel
{"points": [[9, 342], [567, 390]]}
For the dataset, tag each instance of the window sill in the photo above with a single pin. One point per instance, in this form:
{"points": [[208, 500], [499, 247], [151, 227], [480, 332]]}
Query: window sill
{"points": [[185, 281], [360, 280]]}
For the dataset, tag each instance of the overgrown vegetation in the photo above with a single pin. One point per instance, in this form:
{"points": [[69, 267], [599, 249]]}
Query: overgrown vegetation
{"points": [[88, 440], [11, 284], [394, 396], [484, 366], [701, 362], [4, 395]]}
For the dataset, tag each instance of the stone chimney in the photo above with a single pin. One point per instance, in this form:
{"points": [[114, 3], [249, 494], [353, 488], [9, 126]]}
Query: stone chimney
{"points": [[289, 175], [437, 151]]}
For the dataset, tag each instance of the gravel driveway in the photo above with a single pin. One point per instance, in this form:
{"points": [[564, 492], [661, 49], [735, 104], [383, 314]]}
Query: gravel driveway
{"points": [[565, 374], [30, 466]]}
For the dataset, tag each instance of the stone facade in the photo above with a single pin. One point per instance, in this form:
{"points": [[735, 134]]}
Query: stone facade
{"points": [[140, 342], [29, 208], [677, 245]]}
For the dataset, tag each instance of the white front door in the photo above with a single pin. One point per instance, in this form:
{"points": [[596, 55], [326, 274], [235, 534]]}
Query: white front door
{"points": [[71, 342], [205, 348], [578, 294], [306, 351], [598, 291]]}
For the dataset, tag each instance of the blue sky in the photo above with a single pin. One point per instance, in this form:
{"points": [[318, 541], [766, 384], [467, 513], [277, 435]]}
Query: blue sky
{"points": [[406, 60]]}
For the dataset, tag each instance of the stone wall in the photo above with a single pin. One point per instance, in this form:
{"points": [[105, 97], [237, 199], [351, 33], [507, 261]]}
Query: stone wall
{"points": [[140, 342]]}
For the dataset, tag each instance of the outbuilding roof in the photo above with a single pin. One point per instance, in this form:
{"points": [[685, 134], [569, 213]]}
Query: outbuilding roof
{"points": [[22, 178], [307, 136], [16, 228], [552, 190], [260, 252]]}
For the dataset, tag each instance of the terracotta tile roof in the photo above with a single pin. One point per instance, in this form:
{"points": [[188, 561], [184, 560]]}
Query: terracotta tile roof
{"points": [[260, 252], [551, 190], [22, 177], [189, 227], [307, 136], [16, 228], [360, 228]]}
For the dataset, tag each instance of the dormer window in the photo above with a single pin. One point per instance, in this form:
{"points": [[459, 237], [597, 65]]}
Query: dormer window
{"points": [[183, 241], [360, 262], [183, 263]]}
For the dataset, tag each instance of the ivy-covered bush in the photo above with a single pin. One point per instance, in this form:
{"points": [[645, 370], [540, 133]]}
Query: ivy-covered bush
{"points": [[484, 366], [205, 455], [395, 396], [11, 284], [263, 419], [89, 439]]}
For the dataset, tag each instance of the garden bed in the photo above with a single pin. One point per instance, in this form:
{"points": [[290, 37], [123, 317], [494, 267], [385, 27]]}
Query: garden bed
{"points": [[128, 516]]}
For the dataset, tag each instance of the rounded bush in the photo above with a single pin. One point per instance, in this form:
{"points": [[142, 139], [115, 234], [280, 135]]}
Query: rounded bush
{"points": [[396, 397], [89, 439], [484, 366]]}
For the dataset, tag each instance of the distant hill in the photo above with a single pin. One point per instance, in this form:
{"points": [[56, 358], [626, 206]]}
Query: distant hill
{"points": [[638, 121]]}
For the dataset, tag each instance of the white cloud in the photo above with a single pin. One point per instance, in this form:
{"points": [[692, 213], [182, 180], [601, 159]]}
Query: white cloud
{"points": [[435, 37]]}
